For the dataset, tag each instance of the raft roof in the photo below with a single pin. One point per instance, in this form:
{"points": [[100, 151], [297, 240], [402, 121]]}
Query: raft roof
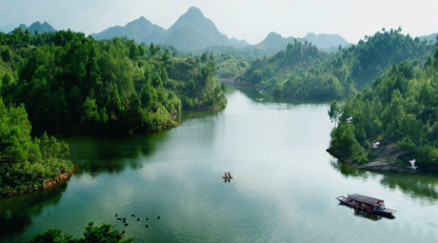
{"points": [[365, 199]]}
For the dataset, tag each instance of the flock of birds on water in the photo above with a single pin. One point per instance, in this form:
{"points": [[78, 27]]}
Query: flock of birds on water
{"points": [[123, 219]]}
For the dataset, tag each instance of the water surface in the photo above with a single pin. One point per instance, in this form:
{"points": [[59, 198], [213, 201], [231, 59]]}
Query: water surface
{"points": [[284, 188]]}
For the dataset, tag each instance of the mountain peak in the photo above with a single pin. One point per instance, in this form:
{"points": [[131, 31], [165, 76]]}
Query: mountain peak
{"points": [[194, 11], [273, 35], [37, 26]]}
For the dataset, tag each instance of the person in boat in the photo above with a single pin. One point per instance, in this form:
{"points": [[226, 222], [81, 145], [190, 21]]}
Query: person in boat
{"points": [[229, 174], [226, 175]]}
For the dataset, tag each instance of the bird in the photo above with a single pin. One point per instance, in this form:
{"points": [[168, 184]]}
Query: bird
{"points": [[376, 145], [133, 215], [147, 218], [350, 119], [116, 215], [413, 164], [126, 225], [158, 217], [119, 218], [147, 226], [138, 219]]}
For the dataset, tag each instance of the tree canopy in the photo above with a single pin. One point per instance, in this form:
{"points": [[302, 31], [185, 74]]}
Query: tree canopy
{"points": [[304, 73], [92, 234], [27, 163], [399, 112], [72, 83]]}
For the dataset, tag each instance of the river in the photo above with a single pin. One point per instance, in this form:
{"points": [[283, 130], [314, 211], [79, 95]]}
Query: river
{"points": [[284, 185]]}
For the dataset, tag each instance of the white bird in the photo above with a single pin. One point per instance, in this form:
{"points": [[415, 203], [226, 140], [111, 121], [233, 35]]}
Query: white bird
{"points": [[413, 164], [260, 99], [350, 119], [376, 145]]}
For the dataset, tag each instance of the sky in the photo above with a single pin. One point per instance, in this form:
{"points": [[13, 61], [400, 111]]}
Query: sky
{"points": [[251, 20]]}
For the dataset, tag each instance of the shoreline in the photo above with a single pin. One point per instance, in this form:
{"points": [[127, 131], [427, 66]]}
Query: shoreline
{"points": [[386, 160], [60, 179]]}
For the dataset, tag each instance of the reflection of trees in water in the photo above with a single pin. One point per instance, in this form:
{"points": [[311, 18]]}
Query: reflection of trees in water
{"points": [[424, 186], [16, 212], [96, 155], [349, 171]]}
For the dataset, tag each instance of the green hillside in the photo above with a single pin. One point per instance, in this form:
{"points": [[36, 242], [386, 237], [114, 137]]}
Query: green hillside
{"points": [[399, 112], [72, 83], [311, 75]]}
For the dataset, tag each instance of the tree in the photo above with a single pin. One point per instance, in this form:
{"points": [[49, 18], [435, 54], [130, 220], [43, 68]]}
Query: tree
{"points": [[334, 112], [92, 234]]}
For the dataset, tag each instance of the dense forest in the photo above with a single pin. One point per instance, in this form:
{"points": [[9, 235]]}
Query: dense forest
{"points": [[64, 82], [303, 72], [72, 83], [26, 163], [396, 119]]}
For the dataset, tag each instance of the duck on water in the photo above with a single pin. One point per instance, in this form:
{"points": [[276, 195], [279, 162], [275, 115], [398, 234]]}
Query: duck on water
{"points": [[366, 203]]}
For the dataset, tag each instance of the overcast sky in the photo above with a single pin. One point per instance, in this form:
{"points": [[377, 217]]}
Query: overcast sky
{"points": [[251, 20]]}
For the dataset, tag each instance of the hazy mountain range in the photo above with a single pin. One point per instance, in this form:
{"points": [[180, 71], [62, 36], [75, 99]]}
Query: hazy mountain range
{"points": [[193, 31], [37, 26]]}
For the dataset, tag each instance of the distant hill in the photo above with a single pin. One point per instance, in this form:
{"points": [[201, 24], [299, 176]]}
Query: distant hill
{"points": [[192, 31], [274, 42], [37, 26], [326, 41], [429, 38], [140, 30]]}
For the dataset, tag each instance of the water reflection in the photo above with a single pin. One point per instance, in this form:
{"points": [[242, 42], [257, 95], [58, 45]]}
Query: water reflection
{"points": [[417, 185], [96, 155], [257, 94], [349, 171], [364, 214], [16, 214]]}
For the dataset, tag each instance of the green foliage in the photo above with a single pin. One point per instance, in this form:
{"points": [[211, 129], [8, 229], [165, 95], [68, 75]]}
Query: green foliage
{"points": [[401, 110], [302, 72], [73, 83], [231, 66], [27, 163], [334, 112], [92, 234]]}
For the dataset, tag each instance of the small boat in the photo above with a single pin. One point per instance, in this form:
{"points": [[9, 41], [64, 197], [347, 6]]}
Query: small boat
{"points": [[366, 203], [228, 177]]}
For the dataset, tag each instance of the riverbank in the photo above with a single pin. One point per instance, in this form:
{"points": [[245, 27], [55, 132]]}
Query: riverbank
{"points": [[386, 158], [9, 191]]}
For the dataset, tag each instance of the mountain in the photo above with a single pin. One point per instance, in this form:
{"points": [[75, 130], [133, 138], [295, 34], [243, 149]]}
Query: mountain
{"points": [[192, 31], [274, 42], [429, 38], [37, 26], [326, 41], [140, 30]]}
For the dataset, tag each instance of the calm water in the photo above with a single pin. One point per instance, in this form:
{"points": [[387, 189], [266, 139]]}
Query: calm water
{"points": [[284, 188]]}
